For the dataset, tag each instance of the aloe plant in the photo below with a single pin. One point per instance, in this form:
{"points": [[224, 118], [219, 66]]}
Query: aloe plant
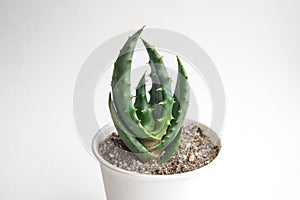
{"points": [[152, 129]]}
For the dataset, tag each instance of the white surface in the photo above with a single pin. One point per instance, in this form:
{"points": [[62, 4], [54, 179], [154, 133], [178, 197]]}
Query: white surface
{"points": [[254, 44]]}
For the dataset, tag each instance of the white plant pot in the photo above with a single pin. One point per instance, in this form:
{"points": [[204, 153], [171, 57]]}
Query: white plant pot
{"points": [[120, 184]]}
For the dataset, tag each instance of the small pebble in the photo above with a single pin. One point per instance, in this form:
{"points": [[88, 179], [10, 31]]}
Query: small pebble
{"points": [[191, 157]]}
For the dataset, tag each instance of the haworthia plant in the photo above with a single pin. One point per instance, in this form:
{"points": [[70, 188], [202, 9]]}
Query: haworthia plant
{"points": [[152, 129]]}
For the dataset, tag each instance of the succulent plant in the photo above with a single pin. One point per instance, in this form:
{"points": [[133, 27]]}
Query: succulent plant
{"points": [[152, 129]]}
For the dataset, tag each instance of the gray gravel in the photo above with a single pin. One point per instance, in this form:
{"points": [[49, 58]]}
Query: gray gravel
{"points": [[196, 150]]}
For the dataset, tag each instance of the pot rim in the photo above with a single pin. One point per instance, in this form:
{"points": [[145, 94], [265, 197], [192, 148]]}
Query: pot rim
{"points": [[95, 148]]}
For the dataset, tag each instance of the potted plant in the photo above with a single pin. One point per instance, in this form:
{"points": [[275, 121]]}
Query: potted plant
{"points": [[151, 151]]}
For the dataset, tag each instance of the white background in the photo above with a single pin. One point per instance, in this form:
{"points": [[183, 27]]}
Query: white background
{"points": [[254, 44]]}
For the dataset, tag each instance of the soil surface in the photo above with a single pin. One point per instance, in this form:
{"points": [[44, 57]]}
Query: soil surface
{"points": [[195, 151]]}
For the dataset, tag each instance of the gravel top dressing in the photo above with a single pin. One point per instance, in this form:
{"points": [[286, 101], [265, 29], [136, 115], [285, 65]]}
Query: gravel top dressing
{"points": [[195, 151]]}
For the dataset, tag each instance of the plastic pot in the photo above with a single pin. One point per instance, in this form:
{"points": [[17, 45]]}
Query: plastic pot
{"points": [[121, 184]]}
